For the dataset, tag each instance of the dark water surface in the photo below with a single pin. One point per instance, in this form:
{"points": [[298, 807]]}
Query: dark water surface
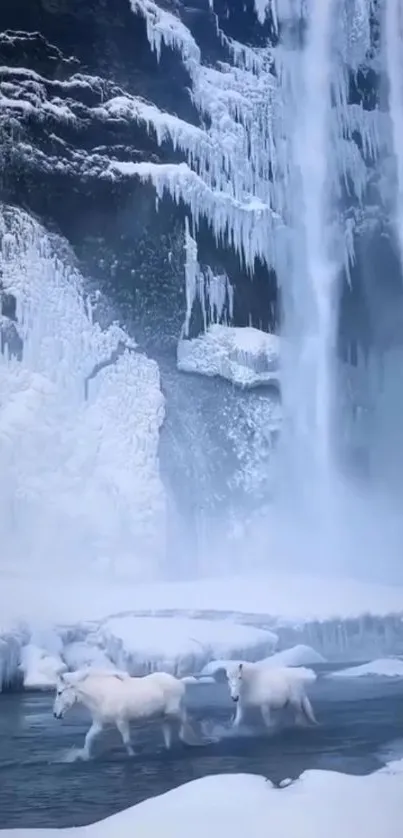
{"points": [[40, 787]]}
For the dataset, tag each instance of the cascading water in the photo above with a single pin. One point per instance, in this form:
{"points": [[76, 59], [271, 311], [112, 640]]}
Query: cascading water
{"points": [[310, 303]]}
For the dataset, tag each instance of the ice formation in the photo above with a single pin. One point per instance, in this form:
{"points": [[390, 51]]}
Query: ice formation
{"points": [[11, 643], [186, 626], [177, 645], [40, 669], [213, 292], [79, 451], [33, 659], [243, 355]]}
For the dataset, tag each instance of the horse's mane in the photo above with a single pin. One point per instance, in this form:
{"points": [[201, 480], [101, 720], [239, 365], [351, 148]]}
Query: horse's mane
{"points": [[77, 677]]}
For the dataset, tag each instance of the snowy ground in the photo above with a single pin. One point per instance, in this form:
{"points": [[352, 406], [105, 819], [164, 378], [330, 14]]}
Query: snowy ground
{"points": [[320, 803], [381, 668]]}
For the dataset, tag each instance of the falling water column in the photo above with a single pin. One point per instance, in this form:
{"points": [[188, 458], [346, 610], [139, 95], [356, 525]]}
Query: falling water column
{"points": [[313, 155], [306, 468]]}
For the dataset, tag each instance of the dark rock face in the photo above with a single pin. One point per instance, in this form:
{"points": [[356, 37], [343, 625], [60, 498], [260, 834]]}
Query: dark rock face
{"points": [[60, 64]]}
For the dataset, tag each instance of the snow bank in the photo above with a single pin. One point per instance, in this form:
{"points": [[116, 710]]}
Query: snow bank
{"points": [[320, 803], [243, 355], [178, 645], [135, 644], [83, 654], [343, 619], [382, 668], [300, 655], [372, 806], [40, 669]]}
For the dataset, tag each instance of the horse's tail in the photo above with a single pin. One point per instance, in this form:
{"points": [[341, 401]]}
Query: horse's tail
{"points": [[303, 674], [308, 710]]}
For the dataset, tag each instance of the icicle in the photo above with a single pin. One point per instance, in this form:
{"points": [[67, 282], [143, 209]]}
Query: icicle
{"points": [[214, 292], [394, 62], [191, 275]]}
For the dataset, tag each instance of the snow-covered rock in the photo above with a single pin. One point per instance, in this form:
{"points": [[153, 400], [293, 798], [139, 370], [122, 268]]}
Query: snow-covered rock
{"points": [[83, 654], [244, 355], [181, 646], [382, 668], [300, 655], [40, 669]]}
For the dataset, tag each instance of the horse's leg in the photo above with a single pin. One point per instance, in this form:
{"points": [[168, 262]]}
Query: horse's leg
{"points": [[308, 710], [266, 715], [92, 733], [238, 718], [124, 730], [298, 708], [167, 734]]}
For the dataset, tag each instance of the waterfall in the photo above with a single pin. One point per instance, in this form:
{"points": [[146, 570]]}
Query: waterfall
{"points": [[310, 308]]}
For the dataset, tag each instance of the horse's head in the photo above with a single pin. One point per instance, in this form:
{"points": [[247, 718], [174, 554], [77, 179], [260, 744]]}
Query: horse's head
{"points": [[235, 679], [66, 696]]}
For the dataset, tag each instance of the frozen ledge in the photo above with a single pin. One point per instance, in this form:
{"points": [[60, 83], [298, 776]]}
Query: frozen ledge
{"points": [[243, 355]]}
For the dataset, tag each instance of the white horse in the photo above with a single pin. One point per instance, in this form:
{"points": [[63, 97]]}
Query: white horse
{"points": [[113, 697], [252, 685]]}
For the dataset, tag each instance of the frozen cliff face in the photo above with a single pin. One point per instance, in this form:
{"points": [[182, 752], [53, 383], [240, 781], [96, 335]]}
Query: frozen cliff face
{"points": [[79, 423]]}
